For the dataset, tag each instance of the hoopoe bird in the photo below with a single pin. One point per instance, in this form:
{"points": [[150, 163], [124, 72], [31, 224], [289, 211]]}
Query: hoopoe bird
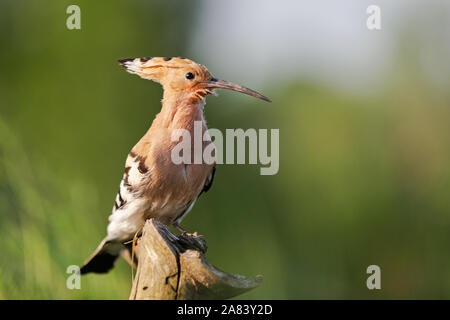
{"points": [[152, 185]]}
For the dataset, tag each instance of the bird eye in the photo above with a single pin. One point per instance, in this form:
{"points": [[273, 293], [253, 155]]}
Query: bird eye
{"points": [[190, 76]]}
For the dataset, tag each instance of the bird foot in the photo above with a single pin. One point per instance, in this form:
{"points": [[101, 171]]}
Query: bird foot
{"points": [[184, 232], [188, 234], [191, 239]]}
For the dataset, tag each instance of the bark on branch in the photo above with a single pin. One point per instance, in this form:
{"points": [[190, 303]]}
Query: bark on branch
{"points": [[174, 267]]}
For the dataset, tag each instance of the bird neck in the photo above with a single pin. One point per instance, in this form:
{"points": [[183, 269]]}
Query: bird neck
{"points": [[180, 110]]}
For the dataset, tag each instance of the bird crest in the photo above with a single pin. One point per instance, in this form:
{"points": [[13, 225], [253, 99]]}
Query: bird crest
{"points": [[158, 68]]}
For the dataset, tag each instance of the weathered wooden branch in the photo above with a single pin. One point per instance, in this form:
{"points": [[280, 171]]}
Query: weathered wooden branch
{"points": [[175, 268]]}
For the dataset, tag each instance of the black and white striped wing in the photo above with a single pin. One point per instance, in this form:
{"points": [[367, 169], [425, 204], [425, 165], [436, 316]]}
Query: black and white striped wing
{"points": [[129, 206]]}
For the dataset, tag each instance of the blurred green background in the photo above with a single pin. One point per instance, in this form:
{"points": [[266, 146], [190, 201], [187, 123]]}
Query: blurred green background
{"points": [[363, 179]]}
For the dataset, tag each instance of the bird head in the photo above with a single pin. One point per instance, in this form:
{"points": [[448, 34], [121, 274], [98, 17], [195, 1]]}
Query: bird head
{"points": [[183, 76]]}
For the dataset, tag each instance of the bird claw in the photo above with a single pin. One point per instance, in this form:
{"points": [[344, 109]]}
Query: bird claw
{"points": [[184, 233], [188, 234]]}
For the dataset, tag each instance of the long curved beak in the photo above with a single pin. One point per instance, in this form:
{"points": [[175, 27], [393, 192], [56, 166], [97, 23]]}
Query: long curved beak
{"points": [[221, 84]]}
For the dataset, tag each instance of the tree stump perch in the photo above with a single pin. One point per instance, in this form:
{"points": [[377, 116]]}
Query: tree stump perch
{"points": [[172, 267]]}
